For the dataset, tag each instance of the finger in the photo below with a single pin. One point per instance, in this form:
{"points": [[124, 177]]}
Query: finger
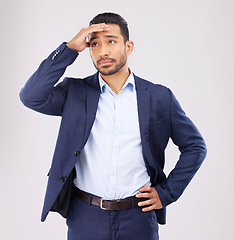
{"points": [[98, 27], [143, 195], [144, 203], [97, 24], [100, 30], [146, 209], [145, 189], [106, 29]]}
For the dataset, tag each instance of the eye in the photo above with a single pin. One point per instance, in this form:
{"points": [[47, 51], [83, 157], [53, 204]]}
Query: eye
{"points": [[111, 42], [94, 44]]}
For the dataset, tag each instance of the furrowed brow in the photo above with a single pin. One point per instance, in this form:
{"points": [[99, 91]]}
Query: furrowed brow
{"points": [[92, 38], [110, 36], [106, 36]]}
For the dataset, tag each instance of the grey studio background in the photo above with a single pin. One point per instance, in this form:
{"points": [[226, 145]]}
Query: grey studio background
{"points": [[186, 45]]}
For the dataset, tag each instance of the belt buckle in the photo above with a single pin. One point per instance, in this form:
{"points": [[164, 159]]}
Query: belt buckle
{"points": [[101, 204]]}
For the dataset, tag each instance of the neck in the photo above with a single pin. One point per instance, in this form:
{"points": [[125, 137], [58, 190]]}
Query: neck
{"points": [[117, 80]]}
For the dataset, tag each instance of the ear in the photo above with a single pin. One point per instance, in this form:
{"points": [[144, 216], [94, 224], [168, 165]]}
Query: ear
{"points": [[129, 47]]}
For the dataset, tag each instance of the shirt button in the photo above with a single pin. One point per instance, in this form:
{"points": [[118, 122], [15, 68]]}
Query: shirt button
{"points": [[77, 153], [63, 179], [112, 174]]}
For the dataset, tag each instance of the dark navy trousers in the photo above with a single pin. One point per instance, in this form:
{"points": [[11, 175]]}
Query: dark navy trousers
{"points": [[90, 222]]}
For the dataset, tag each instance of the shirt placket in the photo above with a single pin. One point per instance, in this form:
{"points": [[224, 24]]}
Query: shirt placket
{"points": [[115, 147]]}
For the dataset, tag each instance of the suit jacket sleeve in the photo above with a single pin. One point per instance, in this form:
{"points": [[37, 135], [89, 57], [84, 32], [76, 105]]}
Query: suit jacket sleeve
{"points": [[40, 92], [192, 147]]}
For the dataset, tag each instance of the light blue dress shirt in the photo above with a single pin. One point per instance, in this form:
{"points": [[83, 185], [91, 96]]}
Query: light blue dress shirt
{"points": [[111, 165]]}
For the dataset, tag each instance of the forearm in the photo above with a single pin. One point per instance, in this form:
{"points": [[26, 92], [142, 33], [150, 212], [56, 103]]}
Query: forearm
{"points": [[178, 179], [40, 85], [192, 149]]}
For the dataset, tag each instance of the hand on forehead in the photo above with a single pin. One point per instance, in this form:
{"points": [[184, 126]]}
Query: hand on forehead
{"points": [[96, 28]]}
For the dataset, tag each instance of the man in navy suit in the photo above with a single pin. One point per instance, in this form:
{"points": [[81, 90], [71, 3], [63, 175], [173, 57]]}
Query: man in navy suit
{"points": [[107, 174]]}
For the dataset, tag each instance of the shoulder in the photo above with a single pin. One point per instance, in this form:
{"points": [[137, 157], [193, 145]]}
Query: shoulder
{"points": [[91, 81], [80, 80], [154, 88]]}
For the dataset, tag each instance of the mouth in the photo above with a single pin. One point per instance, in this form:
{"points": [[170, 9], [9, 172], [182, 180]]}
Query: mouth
{"points": [[104, 63]]}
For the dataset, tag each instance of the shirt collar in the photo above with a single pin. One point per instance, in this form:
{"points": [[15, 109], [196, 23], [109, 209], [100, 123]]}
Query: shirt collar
{"points": [[130, 83]]}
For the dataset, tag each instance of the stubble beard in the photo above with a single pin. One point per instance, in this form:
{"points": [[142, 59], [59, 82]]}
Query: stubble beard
{"points": [[114, 70]]}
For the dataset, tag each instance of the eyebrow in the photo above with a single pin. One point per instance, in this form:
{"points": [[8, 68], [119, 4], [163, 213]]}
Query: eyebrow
{"points": [[106, 36]]}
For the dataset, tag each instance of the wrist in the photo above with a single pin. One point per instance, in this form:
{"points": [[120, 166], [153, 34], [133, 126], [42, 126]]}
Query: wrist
{"points": [[71, 46]]}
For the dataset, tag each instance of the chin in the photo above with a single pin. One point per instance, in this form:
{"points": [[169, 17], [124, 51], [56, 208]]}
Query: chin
{"points": [[107, 72]]}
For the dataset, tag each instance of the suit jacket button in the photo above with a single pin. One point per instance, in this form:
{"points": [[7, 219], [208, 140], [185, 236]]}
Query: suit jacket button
{"points": [[77, 153], [63, 179]]}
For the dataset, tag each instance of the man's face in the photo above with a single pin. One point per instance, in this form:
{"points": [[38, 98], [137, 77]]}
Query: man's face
{"points": [[108, 51]]}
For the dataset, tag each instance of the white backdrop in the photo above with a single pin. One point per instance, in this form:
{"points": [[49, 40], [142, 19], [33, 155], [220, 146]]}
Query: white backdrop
{"points": [[186, 45]]}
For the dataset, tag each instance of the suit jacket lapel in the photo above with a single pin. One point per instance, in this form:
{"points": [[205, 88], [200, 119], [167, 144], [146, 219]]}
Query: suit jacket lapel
{"points": [[93, 93], [143, 103], [143, 100]]}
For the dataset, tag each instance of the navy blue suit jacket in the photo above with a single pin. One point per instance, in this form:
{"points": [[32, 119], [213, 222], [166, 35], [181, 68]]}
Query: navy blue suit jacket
{"points": [[76, 100]]}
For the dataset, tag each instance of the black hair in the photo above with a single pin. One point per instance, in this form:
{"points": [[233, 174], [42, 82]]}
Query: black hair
{"points": [[113, 18]]}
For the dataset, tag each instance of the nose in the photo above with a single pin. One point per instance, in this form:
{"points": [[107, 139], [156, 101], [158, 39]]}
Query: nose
{"points": [[103, 51]]}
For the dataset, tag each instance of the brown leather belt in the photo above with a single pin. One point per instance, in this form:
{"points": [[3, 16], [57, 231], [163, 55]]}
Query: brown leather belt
{"points": [[104, 204]]}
